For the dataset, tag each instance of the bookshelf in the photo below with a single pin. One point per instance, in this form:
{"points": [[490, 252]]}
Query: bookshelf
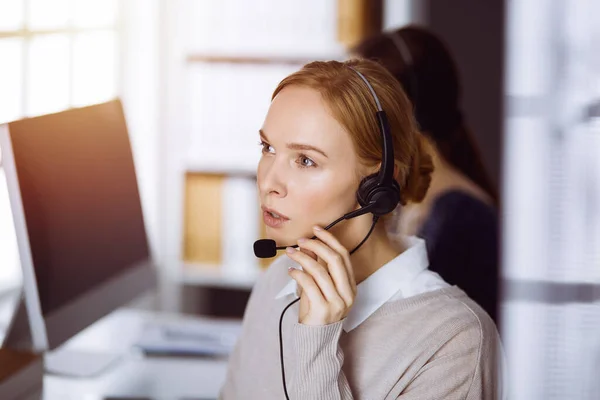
{"points": [[222, 61]]}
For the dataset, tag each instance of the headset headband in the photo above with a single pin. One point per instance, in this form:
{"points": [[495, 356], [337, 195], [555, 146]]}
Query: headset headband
{"points": [[386, 172]]}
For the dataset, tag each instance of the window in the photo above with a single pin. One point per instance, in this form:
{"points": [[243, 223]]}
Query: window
{"points": [[54, 54]]}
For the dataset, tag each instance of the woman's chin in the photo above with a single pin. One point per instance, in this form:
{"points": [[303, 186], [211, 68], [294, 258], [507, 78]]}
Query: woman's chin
{"points": [[277, 237], [280, 237]]}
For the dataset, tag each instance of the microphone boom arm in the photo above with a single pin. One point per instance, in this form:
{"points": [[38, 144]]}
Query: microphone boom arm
{"points": [[350, 215]]}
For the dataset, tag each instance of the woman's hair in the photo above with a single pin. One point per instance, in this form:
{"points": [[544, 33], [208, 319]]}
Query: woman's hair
{"points": [[420, 61], [351, 103]]}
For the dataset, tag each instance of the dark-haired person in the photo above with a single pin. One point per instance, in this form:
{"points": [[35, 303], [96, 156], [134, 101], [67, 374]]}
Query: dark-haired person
{"points": [[458, 217]]}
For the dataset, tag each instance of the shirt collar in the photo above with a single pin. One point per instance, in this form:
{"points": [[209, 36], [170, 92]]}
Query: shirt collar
{"points": [[387, 282]]}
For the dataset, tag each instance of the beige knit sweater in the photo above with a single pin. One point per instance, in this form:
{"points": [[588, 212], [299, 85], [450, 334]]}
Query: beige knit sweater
{"points": [[437, 345]]}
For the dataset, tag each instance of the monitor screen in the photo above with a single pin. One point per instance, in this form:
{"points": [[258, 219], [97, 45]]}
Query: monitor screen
{"points": [[80, 199]]}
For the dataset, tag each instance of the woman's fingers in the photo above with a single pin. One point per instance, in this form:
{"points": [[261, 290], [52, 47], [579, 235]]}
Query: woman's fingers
{"points": [[310, 254], [335, 266], [308, 286], [331, 241], [326, 279], [319, 274]]}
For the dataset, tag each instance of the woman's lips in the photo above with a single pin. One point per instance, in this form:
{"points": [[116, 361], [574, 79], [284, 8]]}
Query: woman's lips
{"points": [[272, 211], [273, 222]]}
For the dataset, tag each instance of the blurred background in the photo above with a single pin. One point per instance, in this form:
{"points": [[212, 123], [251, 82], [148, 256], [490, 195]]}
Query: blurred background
{"points": [[196, 77]]}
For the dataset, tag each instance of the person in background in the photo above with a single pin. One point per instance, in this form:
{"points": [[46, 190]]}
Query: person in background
{"points": [[458, 217]]}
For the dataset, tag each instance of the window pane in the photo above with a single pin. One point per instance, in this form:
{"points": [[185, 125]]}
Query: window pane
{"points": [[91, 13], [48, 14], [95, 67], [11, 15], [11, 75], [48, 73]]}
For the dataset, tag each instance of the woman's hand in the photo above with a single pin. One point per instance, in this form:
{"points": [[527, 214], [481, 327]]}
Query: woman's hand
{"points": [[327, 283]]}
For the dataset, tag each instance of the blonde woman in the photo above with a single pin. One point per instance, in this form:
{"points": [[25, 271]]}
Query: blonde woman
{"points": [[373, 323]]}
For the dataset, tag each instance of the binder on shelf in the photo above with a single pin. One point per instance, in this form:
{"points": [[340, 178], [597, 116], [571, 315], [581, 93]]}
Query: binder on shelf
{"points": [[222, 219]]}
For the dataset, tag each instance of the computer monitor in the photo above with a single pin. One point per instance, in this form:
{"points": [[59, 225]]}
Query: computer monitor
{"points": [[78, 219]]}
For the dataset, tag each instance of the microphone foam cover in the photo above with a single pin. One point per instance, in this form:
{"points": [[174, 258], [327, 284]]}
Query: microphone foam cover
{"points": [[265, 248]]}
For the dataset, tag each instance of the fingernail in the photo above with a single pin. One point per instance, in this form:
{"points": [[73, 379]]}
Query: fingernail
{"points": [[290, 250], [290, 269], [302, 240], [317, 228]]}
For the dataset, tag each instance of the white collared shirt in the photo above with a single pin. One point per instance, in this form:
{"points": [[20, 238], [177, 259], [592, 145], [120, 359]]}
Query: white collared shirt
{"points": [[405, 276]]}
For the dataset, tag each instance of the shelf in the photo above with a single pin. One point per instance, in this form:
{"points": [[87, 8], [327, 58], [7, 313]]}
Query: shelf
{"points": [[239, 171], [235, 163], [217, 276], [244, 57], [224, 59]]}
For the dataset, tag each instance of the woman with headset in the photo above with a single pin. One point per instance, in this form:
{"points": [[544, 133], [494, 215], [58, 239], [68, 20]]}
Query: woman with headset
{"points": [[348, 312], [457, 217]]}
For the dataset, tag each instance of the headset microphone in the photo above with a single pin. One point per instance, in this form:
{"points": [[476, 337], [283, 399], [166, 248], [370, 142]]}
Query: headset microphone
{"points": [[267, 248]]}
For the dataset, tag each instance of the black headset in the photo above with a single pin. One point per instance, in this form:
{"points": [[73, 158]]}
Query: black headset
{"points": [[378, 194], [380, 191]]}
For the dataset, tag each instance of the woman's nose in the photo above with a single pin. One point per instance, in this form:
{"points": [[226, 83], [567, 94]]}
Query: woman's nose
{"points": [[272, 179]]}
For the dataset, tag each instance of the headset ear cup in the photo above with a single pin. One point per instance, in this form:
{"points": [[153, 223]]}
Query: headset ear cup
{"points": [[365, 189], [386, 197]]}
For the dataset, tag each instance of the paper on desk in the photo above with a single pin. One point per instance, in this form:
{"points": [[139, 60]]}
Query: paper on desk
{"points": [[188, 339]]}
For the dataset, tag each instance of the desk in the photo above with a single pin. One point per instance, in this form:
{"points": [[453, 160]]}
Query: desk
{"points": [[159, 379], [137, 376]]}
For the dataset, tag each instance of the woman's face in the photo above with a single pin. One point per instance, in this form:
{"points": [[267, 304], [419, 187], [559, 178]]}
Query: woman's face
{"points": [[307, 171]]}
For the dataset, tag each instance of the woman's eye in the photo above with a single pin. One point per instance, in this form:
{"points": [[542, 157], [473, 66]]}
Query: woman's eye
{"points": [[306, 162], [302, 160], [266, 147]]}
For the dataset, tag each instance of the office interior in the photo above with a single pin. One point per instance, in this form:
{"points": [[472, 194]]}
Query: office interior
{"points": [[186, 84]]}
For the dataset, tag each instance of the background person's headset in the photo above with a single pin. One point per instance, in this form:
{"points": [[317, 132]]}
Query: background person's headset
{"points": [[412, 86], [378, 194]]}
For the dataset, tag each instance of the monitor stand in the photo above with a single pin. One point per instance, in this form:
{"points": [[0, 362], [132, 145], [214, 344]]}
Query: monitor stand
{"points": [[62, 361]]}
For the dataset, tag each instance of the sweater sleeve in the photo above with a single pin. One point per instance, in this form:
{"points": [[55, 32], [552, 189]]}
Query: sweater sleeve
{"points": [[318, 373]]}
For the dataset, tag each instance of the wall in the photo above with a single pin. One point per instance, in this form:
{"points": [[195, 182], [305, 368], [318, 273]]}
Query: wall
{"points": [[474, 31]]}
